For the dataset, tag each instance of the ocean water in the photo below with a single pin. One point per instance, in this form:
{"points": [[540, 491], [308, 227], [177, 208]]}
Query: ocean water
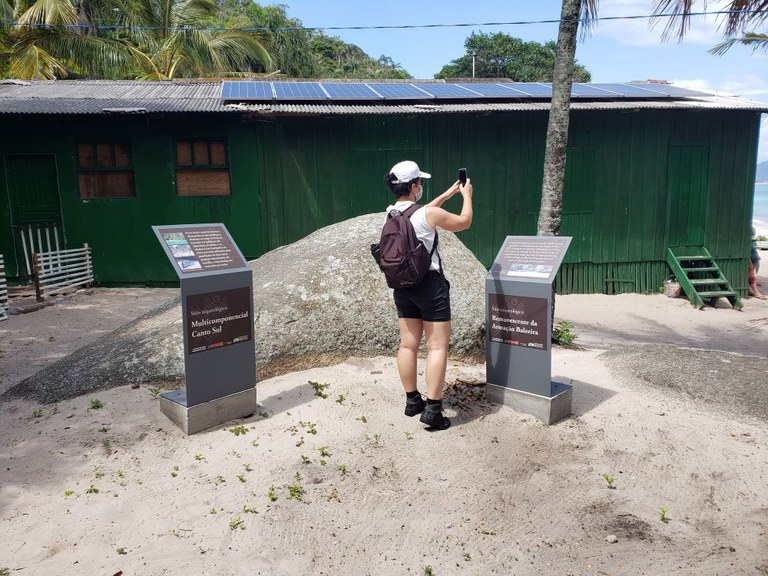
{"points": [[760, 209]]}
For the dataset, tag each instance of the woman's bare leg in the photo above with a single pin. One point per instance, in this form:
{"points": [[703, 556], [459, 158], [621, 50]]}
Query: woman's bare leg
{"points": [[411, 330]]}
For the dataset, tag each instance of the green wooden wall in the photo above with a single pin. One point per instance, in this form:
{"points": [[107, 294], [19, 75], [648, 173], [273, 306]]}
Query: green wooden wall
{"points": [[636, 181]]}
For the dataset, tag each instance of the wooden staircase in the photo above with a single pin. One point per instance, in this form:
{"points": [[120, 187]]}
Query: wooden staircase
{"points": [[700, 277]]}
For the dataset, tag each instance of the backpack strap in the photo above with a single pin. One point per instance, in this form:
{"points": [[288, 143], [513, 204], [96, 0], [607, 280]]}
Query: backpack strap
{"points": [[407, 213]]}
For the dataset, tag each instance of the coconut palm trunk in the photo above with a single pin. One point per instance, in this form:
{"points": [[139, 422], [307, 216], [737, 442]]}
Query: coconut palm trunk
{"points": [[551, 211], [553, 182]]}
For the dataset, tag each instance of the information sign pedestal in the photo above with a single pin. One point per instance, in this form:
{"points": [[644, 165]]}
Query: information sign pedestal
{"points": [[217, 313], [518, 290]]}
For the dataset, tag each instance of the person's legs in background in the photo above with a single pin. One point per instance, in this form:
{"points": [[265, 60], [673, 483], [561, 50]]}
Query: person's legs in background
{"points": [[438, 336], [411, 330]]}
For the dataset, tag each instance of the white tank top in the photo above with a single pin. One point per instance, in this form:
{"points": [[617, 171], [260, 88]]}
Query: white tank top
{"points": [[424, 231]]}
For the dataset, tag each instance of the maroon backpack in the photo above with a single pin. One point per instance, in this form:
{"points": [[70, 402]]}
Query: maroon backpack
{"points": [[399, 253]]}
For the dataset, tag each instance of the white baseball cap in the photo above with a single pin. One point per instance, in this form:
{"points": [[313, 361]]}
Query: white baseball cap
{"points": [[406, 171]]}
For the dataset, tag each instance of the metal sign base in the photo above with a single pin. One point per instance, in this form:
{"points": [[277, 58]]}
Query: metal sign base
{"points": [[194, 419], [548, 409]]}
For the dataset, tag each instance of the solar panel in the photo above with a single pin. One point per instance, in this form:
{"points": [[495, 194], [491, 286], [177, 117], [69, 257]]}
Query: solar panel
{"points": [[396, 91], [298, 91], [632, 91], [667, 90], [532, 89], [440, 90], [349, 91], [488, 90], [246, 90], [339, 91], [591, 91]]}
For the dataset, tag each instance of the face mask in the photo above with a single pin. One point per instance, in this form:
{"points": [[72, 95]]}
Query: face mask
{"points": [[419, 193]]}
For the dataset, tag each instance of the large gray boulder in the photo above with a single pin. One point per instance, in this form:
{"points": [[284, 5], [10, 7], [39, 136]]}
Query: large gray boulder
{"points": [[316, 302]]}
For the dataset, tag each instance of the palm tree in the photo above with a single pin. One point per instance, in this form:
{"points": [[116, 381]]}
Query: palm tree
{"points": [[45, 42], [742, 14], [155, 39], [551, 211], [174, 37]]}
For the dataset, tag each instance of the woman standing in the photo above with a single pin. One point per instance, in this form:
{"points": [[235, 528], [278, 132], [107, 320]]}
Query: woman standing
{"points": [[425, 309]]}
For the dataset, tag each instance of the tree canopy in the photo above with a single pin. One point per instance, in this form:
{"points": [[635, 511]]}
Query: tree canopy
{"points": [[164, 39], [500, 55]]}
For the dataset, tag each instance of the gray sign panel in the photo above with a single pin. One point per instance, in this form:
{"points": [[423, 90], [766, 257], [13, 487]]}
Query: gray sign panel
{"points": [[518, 291]]}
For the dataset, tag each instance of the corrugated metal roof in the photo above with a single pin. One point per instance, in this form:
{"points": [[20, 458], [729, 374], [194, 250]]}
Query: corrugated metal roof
{"points": [[108, 96], [73, 97]]}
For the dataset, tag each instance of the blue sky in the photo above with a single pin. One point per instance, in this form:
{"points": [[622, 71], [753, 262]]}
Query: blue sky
{"points": [[616, 51]]}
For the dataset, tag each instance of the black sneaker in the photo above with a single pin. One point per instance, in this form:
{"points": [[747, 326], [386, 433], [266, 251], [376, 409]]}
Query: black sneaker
{"points": [[433, 417], [414, 406]]}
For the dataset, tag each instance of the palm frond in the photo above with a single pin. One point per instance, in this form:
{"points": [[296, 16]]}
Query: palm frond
{"points": [[588, 17], [745, 13], [751, 39], [49, 12], [676, 15], [33, 63]]}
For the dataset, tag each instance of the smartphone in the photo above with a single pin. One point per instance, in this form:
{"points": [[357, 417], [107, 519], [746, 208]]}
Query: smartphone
{"points": [[463, 176]]}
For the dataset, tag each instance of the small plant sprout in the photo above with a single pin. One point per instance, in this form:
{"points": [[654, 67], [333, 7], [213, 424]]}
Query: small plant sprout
{"points": [[238, 430], [297, 476], [68, 492], [5, 572], [37, 413], [562, 333], [467, 557], [213, 511], [248, 510], [247, 468], [96, 404], [236, 523], [199, 457], [155, 392], [305, 459], [175, 471], [107, 446], [608, 478], [104, 429], [340, 399], [408, 435], [376, 440], [271, 494], [241, 477], [428, 571], [219, 480], [319, 389], [255, 443], [300, 442], [324, 451], [121, 550], [663, 515], [91, 490], [342, 468], [295, 492], [362, 419]]}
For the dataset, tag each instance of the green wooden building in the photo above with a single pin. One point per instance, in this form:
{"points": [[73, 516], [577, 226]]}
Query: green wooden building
{"points": [[650, 167]]}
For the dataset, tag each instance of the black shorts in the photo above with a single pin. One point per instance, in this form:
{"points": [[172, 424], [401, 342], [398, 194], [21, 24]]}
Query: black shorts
{"points": [[430, 300]]}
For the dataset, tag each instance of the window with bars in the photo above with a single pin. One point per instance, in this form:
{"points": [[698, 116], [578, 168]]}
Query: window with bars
{"points": [[105, 170], [202, 168]]}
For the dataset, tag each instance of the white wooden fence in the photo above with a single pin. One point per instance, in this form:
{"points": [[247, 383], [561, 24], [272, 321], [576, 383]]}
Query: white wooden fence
{"points": [[62, 270], [36, 238], [3, 291]]}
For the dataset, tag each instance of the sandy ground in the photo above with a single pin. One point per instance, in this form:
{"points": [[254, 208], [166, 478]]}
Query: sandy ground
{"points": [[104, 484]]}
